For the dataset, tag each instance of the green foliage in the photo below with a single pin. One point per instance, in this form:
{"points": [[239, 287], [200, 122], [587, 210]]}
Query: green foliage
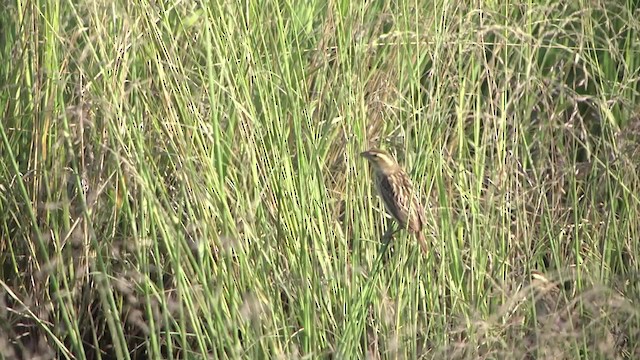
{"points": [[182, 180]]}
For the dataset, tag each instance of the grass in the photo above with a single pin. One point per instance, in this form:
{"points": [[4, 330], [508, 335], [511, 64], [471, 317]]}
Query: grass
{"points": [[182, 180]]}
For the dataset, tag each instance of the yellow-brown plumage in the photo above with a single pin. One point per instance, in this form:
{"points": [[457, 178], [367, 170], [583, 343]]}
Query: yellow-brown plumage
{"points": [[395, 188]]}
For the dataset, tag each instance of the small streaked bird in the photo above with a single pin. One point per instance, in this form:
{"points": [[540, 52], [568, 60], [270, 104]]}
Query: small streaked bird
{"points": [[395, 188], [547, 295]]}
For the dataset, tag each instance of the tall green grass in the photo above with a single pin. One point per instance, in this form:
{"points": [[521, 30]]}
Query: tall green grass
{"points": [[182, 179]]}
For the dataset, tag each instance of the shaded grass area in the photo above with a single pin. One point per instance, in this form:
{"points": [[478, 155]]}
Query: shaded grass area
{"points": [[181, 180]]}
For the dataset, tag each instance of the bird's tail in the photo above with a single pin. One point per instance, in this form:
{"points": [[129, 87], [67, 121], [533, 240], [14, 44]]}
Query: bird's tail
{"points": [[422, 241]]}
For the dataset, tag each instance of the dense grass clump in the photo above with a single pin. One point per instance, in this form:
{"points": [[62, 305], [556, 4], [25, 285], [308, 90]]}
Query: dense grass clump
{"points": [[182, 180]]}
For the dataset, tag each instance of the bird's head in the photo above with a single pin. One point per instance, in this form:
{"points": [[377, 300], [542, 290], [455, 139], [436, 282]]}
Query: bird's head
{"points": [[381, 160]]}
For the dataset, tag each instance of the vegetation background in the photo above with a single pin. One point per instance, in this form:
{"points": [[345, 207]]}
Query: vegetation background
{"points": [[180, 179]]}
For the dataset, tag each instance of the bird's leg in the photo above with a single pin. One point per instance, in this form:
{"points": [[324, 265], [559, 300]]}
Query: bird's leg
{"points": [[396, 231], [388, 234], [386, 240]]}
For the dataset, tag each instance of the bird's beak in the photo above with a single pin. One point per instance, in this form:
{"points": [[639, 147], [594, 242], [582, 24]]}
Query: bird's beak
{"points": [[366, 154]]}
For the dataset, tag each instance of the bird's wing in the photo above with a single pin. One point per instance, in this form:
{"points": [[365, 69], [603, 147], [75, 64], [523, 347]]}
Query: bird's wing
{"points": [[390, 192], [408, 199], [417, 218]]}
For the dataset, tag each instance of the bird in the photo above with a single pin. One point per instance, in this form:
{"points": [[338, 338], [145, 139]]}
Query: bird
{"points": [[397, 193], [547, 295]]}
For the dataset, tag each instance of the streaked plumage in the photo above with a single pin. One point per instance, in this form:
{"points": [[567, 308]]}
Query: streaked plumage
{"points": [[547, 294], [396, 190]]}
